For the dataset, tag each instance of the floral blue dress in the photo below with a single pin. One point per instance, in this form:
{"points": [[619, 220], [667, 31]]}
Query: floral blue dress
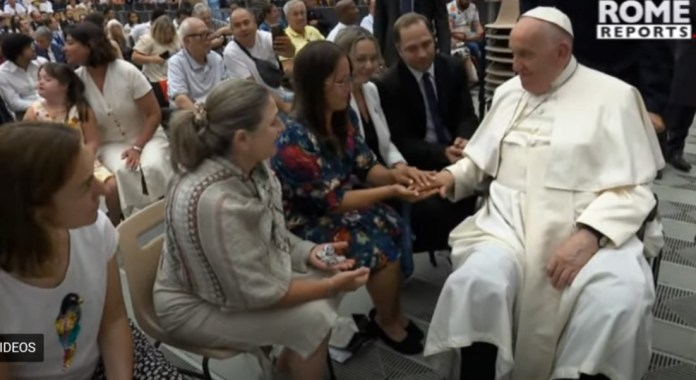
{"points": [[314, 181]]}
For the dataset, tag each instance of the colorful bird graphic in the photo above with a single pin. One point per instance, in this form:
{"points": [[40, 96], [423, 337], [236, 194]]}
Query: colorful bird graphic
{"points": [[68, 327]]}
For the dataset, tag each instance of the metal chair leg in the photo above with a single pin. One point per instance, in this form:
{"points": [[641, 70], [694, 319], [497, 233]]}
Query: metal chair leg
{"points": [[433, 259], [206, 368], [329, 363], [656, 266]]}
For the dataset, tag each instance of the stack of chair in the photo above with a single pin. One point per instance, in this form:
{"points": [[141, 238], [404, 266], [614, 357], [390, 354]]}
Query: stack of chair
{"points": [[498, 52]]}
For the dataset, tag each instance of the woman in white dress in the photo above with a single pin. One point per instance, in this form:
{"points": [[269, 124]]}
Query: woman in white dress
{"points": [[133, 144]]}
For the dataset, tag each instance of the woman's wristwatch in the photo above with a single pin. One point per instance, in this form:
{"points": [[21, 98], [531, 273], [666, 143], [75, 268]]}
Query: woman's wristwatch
{"points": [[137, 148], [602, 241]]}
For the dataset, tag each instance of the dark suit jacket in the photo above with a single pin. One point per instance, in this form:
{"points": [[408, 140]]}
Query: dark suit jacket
{"points": [[646, 65], [684, 83], [388, 11], [6, 116], [323, 25], [57, 52], [404, 108]]}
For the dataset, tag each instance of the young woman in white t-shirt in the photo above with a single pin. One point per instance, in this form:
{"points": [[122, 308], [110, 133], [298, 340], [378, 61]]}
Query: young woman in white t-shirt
{"points": [[58, 274]]}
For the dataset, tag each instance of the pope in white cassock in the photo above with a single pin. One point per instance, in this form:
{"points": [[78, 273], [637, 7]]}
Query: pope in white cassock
{"points": [[550, 277]]}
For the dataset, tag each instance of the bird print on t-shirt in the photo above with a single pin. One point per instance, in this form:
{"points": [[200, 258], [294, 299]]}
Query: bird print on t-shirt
{"points": [[68, 327]]}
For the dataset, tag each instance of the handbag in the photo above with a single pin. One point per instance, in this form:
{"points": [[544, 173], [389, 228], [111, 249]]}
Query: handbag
{"points": [[270, 74]]}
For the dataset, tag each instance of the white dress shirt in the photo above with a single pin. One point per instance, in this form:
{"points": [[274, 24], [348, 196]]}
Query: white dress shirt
{"points": [[368, 23], [334, 32], [18, 87]]}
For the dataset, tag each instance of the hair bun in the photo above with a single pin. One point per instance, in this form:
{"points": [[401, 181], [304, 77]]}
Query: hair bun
{"points": [[200, 118]]}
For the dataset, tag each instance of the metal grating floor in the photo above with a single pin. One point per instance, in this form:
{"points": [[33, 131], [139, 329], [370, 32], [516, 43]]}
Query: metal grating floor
{"points": [[667, 298], [677, 252], [663, 367]]}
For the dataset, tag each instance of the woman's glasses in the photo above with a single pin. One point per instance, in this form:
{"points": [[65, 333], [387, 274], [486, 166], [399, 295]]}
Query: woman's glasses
{"points": [[347, 81]]}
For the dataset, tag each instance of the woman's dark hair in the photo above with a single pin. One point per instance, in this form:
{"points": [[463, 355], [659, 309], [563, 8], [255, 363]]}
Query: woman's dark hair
{"points": [[265, 11], [14, 44], [313, 66], [15, 23], [101, 52], [36, 159], [128, 21], [96, 18], [209, 130], [65, 75]]}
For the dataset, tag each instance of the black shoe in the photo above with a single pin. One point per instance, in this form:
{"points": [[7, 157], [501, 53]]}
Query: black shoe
{"points": [[679, 163], [408, 346], [411, 328]]}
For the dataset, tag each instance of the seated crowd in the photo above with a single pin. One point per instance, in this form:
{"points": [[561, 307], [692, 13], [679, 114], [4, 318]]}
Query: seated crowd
{"points": [[284, 144]]}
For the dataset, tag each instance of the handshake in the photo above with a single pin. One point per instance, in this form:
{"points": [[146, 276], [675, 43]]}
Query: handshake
{"points": [[414, 185]]}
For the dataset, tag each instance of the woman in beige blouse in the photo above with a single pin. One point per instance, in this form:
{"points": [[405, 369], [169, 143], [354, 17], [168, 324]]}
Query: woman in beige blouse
{"points": [[231, 274], [152, 51]]}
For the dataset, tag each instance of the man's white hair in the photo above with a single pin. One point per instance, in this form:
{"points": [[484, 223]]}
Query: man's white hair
{"points": [[199, 9], [290, 4], [185, 27], [44, 32]]}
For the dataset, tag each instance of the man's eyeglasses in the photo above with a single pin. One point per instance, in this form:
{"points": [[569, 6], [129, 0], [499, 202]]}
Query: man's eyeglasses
{"points": [[203, 35]]}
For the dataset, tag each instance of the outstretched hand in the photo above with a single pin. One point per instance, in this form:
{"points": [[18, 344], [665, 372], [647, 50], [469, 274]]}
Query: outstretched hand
{"points": [[340, 248]]}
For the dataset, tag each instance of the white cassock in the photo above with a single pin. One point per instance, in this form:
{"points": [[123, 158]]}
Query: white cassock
{"points": [[585, 152]]}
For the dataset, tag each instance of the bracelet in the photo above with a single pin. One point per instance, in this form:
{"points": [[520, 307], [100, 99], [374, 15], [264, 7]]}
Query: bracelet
{"points": [[331, 292], [137, 149]]}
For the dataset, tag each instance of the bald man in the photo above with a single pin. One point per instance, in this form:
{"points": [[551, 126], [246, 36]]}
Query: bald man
{"points": [[550, 277], [348, 14]]}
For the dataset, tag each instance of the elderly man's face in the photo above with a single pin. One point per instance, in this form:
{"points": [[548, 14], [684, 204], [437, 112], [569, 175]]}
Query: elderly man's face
{"points": [[197, 41], [417, 46], [42, 42], [297, 17], [538, 57]]}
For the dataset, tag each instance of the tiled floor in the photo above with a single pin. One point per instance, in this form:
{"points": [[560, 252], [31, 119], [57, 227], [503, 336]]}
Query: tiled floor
{"points": [[675, 311]]}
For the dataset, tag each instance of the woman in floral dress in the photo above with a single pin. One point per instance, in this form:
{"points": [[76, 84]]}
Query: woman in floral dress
{"points": [[333, 186]]}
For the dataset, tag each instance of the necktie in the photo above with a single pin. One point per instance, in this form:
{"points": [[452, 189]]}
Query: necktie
{"points": [[406, 6], [442, 135]]}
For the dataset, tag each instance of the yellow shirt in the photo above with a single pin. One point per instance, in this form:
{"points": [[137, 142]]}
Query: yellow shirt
{"points": [[300, 40]]}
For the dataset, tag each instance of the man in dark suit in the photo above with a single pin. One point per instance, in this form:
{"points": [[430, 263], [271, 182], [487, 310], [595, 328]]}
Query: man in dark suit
{"points": [[431, 116], [644, 64], [682, 105], [44, 46], [387, 11]]}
